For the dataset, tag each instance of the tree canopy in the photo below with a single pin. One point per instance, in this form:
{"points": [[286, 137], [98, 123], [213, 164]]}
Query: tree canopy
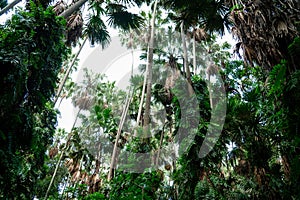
{"points": [[198, 122]]}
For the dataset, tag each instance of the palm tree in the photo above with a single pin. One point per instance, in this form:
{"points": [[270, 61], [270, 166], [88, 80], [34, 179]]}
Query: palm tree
{"points": [[208, 15], [185, 53], [199, 34], [149, 67], [73, 8], [264, 29], [115, 149], [66, 75], [95, 29]]}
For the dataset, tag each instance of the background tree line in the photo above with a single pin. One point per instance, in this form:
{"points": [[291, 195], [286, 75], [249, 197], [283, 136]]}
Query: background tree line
{"points": [[262, 91]]}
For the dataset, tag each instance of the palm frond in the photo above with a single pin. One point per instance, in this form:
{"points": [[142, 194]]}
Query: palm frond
{"points": [[3, 3], [74, 28], [97, 32], [97, 7], [132, 3], [265, 30], [59, 7], [119, 17]]}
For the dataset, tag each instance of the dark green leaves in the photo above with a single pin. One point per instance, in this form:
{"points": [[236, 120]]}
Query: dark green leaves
{"points": [[278, 79], [31, 53], [119, 17], [97, 32], [3, 3]]}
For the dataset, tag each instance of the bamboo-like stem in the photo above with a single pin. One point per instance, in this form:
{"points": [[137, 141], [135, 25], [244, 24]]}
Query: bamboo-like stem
{"points": [[150, 65], [114, 155], [194, 52], [65, 185], [185, 59], [60, 158], [63, 82], [142, 97]]}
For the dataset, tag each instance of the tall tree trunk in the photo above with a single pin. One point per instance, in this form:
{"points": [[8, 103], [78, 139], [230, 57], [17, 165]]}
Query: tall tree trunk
{"points": [[122, 120], [210, 92], [194, 52], [62, 83], [142, 98], [67, 13], [10, 6], [65, 185], [149, 66], [185, 54], [185, 59], [61, 156], [143, 95]]}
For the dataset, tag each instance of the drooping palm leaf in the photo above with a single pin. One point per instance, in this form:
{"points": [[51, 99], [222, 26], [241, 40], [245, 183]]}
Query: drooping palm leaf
{"points": [[210, 15], [265, 29], [75, 26], [97, 7], [119, 17], [59, 7], [97, 32], [3, 3], [132, 3]]}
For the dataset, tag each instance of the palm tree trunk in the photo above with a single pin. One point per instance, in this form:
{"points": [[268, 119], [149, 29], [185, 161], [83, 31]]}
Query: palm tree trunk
{"points": [[73, 8], [185, 54], [60, 158], [54, 174], [142, 96], [10, 6], [142, 99], [65, 185], [194, 52], [62, 83], [149, 66], [185, 59], [122, 120]]}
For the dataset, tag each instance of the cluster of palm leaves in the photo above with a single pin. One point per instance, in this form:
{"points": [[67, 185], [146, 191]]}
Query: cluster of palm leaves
{"points": [[95, 28], [264, 29]]}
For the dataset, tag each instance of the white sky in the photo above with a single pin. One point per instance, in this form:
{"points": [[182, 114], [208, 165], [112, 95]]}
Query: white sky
{"points": [[116, 67]]}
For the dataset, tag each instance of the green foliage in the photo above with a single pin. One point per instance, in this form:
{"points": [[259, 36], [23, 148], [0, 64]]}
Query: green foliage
{"points": [[294, 51], [190, 165], [97, 31], [3, 3], [277, 78], [31, 53], [119, 17], [43, 181], [127, 186], [260, 128], [256, 156], [294, 47], [95, 196], [204, 13], [291, 143]]}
